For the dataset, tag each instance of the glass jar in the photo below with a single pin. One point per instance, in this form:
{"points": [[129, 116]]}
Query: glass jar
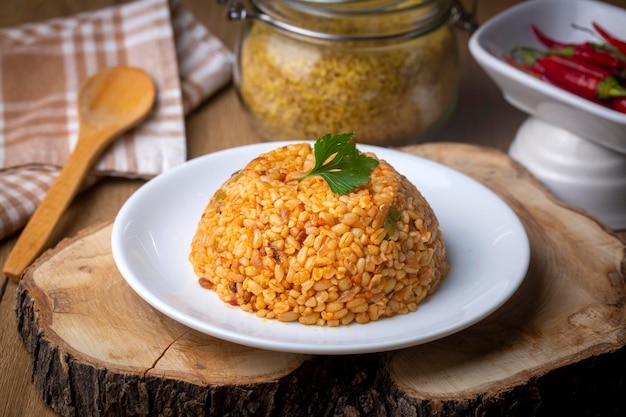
{"points": [[384, 69]]}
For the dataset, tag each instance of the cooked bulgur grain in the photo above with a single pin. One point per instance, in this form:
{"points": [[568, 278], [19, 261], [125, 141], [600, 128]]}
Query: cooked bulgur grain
{"points": [[295, 251]]}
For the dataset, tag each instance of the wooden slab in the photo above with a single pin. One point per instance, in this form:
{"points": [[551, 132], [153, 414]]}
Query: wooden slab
{"points": [[555, 348]]}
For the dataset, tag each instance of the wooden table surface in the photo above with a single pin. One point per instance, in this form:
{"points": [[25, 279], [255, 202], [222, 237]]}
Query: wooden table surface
{"points": [[482, 117]]}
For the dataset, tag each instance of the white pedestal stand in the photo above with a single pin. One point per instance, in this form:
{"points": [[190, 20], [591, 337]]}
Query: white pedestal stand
{"points": [[577, 171]]}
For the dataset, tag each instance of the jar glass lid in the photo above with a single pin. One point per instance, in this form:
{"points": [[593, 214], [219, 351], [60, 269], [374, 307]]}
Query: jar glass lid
{"points": [[354, 19], [429, 14]]}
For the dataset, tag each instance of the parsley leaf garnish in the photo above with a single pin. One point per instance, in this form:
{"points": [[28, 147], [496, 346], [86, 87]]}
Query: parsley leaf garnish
{"points": [[341, 165], [391, 221]]}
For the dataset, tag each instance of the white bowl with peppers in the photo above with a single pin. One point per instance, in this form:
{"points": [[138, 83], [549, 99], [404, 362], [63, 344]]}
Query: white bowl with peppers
{"points": [[570, 23], [564, 63]]}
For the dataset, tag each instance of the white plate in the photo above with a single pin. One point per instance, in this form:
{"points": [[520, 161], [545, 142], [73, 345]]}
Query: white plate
{"points": [[487, 245]]}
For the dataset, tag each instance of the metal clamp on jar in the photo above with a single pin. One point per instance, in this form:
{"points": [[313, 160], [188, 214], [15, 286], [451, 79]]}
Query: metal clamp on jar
{"points": [[384, 69]]}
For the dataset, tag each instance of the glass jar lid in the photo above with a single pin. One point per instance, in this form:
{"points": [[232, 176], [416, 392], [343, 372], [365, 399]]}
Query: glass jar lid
{"points": [[352, 20]]}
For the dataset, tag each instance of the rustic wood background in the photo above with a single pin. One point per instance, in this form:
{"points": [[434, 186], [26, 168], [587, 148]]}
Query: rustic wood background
{"points": [[482, 118]]}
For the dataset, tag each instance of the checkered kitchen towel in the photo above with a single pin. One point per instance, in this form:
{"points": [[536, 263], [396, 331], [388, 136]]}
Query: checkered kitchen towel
{"points": [[42, 66]]}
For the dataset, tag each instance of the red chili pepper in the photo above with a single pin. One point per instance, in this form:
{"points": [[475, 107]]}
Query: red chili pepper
{"points": [[618, 104], [602, 57], [581, 65], [536, 69], [610, 38], [586, 85], [528, 56], [586, 51], [548, 42], [543, 73]]}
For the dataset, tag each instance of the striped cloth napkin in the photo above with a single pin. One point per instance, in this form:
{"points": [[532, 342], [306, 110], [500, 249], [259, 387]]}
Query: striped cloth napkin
{"points": [[42, 66]]}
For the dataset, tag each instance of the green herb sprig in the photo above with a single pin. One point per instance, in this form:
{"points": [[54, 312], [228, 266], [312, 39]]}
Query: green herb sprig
{"points": [[341, 165], [391, 221]]}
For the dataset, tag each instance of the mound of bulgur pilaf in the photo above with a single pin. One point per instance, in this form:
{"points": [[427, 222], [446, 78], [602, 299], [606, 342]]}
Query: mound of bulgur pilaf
{"points": [[294, 250]]}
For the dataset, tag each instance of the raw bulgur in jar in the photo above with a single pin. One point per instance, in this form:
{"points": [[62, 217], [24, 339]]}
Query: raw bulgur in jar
{"points": [[295, 251], [387, 68]]}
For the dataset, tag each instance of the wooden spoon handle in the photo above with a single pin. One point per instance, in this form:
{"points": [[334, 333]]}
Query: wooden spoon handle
{"points": [[38, 230]]}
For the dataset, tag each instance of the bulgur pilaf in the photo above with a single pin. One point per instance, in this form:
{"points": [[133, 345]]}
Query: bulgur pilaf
{"points": [[295, 251]]}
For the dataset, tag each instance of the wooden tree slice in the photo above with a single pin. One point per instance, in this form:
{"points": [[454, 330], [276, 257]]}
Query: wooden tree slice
{"points": [[98, 349], [569, 308], [98, 345]]}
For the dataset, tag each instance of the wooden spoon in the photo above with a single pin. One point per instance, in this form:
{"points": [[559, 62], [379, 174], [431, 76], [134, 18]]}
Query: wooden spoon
{"points": [[109, 103]]}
